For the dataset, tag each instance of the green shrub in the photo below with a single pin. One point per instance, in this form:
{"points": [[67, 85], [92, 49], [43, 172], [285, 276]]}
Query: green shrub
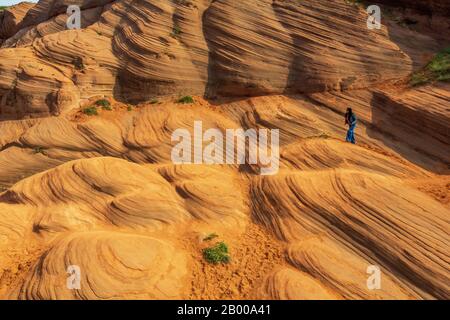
{"points": [[217, 253], [440, 65], [176, 31], [438, 69], [104, 104], [90, 111], [186, 100], [444, 77], [129, 108], [38, 150], [154, 101]]}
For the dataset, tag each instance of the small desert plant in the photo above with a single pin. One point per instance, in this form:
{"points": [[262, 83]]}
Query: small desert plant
{"points": [[130, 108], [154, 101], [90, 111], [104, 104], [217, 253], [186, 100], [176, 31], [38, 150], [210, 237]]}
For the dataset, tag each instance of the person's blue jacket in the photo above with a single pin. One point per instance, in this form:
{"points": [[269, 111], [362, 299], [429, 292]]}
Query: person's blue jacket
{"points": [[351, 120]]}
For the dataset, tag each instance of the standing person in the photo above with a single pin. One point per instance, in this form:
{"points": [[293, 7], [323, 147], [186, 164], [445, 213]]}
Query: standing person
{"points": [[350, 120]]}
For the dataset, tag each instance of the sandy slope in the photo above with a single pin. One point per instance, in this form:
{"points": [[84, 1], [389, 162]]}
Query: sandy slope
{"points": [[101, 192], [357, 205]]}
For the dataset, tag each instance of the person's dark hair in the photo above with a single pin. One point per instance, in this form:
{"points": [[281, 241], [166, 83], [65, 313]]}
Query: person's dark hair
{"points": [[349, 111]]}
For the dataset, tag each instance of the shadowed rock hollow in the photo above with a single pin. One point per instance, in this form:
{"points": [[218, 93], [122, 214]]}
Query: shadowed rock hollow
{"points": [[102, 193]]}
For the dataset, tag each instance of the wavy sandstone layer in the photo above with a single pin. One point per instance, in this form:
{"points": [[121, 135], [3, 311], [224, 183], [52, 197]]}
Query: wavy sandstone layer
{"points": [[102, 193], [136, 50]]}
